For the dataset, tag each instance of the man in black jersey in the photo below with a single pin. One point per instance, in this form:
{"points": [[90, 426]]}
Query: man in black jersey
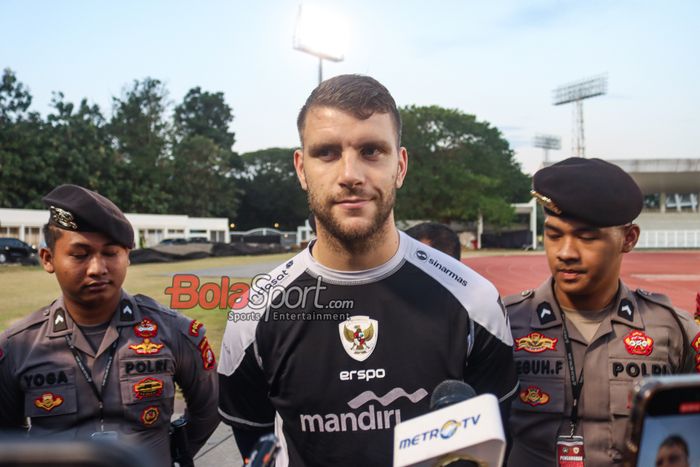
{"points": [[348, 338]]}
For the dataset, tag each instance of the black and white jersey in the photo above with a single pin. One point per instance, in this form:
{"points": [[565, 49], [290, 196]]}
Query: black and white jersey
{"points": [[334, 360]]}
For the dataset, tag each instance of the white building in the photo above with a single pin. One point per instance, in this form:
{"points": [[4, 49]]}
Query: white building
{"points": [[149, 229]]}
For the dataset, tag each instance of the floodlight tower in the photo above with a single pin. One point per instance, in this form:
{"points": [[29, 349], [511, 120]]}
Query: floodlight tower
{"points": [[320, 34], [547, 142], [577, 92]]}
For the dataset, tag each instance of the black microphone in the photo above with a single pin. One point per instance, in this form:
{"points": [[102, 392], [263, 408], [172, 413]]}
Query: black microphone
{"points": [[450, 391], [264, 452]]}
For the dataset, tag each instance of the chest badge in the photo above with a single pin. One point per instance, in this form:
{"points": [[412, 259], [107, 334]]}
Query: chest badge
{"points": [[359, 335], [536, 342], [48, 401], [146, 328], [638, 343], [534, 396], [148, 387], [146, 347], [150, 415]]}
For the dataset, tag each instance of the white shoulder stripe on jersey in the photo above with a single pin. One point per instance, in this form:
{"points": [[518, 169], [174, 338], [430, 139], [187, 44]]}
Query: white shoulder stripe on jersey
{"points": [[478, 296], [243, 421], [282, 459], [239, 335], [511, 392]]}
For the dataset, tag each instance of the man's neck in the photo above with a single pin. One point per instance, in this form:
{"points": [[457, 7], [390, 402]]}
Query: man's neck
{"points": [[377, 250], [90, 315], [596, 301]]}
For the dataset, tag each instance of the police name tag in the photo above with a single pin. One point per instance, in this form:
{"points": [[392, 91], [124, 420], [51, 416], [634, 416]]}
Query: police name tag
{"points": [[102, 436], [570, 451]]}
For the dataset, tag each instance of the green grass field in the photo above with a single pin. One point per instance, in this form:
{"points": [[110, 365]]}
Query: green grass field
{"points": [[26, 288]]}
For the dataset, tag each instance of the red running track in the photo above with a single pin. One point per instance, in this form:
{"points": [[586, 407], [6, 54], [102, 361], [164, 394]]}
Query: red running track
{"points": [[676, 274]]}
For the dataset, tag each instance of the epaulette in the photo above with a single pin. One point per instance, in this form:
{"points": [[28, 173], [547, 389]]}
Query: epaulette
{"points": [[658, 298], [147, 302], [514, 299], [36, 317]]}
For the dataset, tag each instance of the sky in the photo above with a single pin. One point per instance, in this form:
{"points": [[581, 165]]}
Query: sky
{"points": [[499, 60]]}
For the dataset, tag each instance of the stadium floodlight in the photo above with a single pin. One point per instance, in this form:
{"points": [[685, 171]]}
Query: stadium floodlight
{"points": [[320, 33], [577, 92], [547, 142]]}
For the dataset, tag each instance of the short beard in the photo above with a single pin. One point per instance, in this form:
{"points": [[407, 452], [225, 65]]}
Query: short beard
{"points": [[357, 240]]}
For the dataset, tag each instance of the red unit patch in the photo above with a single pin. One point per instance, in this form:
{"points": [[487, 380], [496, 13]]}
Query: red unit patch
{"points": [[638, 343], [148, 387], [208, 358], [48, 401], [534, 396], [695, 343], [195, 326], [535, 342], [146, 328], [150, 415]]}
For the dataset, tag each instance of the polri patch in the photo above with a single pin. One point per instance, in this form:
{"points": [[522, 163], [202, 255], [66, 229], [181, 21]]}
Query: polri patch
{"points": [[534, 396], [638, 343], [626, 310], [146, 328], [48, 401], [150, 415]]}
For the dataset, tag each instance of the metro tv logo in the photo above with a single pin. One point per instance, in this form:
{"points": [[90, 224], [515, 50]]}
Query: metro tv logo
{"points": [[446, 431]]}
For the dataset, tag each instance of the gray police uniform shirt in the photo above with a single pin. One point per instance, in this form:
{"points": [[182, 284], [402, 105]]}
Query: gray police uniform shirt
{"points": [[642, 336], [156, 347]]}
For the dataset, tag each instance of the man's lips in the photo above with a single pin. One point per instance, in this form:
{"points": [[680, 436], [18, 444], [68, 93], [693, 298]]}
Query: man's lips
{"points": [[570, 274], [97, 285], [352, 203]]}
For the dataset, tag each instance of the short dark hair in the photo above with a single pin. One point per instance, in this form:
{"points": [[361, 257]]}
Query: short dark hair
{"points": [[675, 440], [51, 234], [440, 236], [358, 95]]}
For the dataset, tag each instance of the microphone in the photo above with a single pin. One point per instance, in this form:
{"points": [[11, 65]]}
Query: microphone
{"points": [[461, 429], [264, 452]]}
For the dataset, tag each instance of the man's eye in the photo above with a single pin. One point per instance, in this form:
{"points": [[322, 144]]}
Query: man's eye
{"points": [[370, 151], [79, 255]]}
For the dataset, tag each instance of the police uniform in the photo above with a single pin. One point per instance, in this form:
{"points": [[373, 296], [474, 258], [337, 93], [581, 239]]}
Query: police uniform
{"points": [[641, 335], [47, 362]]}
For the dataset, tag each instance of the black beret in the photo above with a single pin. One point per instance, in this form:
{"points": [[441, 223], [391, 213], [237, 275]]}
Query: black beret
{"points": [[75, 208], [590, 190]]}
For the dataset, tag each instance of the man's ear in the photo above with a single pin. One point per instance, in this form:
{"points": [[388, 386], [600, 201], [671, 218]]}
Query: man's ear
{"points": [[403, 167], [299, 167], [46, 257], [631, 237]]}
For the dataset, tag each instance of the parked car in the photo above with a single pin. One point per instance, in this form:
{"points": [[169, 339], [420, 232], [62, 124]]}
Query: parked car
{"points": [[173, 241], [13, 250]]}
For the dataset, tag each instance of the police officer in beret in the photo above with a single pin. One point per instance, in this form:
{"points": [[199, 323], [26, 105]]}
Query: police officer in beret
{"points": [[99, 363], [583, 338]]}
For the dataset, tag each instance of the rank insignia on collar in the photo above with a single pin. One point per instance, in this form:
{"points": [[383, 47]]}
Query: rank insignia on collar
{"points": [[146, 347], [535, 342], [358, 336], [126, 313], [638, 343], [208, 357], [195, 326], [146, 328], [59, 320], [534, 396], [545, 313], [148, 387], [48, 401], [150, 415], [626, 310]]}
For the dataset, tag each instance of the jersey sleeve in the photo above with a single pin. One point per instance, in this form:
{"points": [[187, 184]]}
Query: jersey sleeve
{"points": [[11, 401], [243, 390]]}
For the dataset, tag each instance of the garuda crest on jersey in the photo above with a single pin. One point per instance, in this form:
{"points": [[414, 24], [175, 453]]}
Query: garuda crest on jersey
{"points": [[359, 336]]}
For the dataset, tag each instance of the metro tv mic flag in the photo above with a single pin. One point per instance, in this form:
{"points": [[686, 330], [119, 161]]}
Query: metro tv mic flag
{"points": [[461, 429]]}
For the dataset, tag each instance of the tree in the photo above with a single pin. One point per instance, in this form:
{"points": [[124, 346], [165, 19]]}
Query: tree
{"points": [[203, 165], [458, 168], [271, 191], [141, 134]]}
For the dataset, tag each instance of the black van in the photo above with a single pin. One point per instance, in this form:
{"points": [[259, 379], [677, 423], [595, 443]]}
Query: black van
{"points": [[13, 250]]}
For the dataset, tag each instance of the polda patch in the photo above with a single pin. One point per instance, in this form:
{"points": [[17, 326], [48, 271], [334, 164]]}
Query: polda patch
{"points": [[534, 396], [150, 415], [208, 357], [146, 328]]}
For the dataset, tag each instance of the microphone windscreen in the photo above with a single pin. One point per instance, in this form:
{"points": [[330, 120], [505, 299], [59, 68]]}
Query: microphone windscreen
{"points": [[450, 392]]}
